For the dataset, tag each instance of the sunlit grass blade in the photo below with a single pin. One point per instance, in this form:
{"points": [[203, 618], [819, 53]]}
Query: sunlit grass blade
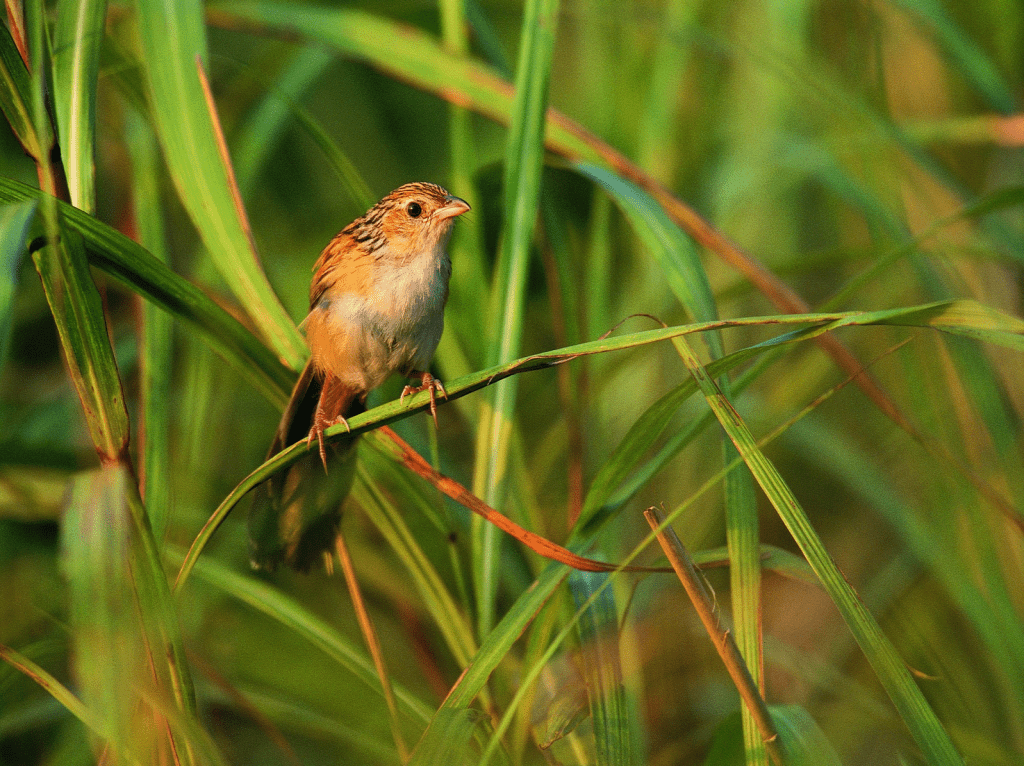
{"points": [[448, 739], [524, 157], [78, 35], [925, 727], [849, 464], [131, 265], [175, 41], [700, 596], [665, 242], [678, 260], [946, 314]]}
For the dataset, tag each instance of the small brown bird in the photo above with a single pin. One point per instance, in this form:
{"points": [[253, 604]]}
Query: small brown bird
{"points": [[376, 307]]}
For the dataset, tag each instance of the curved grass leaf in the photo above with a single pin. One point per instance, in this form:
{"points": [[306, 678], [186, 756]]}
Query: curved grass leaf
{"points": [[405, 52], [451, 621], [56, 689], [259, 134], [678, 260], [951, 315], [175, 40], [672, 250], [131, 265], [448, 739]]}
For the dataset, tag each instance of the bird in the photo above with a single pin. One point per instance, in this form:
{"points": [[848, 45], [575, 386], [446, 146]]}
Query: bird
{"points": [[376, 308]]}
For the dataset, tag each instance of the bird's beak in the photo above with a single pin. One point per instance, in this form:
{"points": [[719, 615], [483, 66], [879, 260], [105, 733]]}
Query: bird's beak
{"points": [[453, 206]]}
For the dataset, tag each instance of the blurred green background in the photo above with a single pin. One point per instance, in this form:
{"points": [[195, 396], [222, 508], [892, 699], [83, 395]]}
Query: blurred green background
{"points": [[733, 160]]}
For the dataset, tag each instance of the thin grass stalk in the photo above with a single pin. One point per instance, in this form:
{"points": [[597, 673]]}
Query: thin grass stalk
{"points": [[156, 342], [522, 179], [720, 636], [470, 270], [372, 643]]}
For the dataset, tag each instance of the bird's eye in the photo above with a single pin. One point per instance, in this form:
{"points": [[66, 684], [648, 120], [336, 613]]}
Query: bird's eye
{"points": [[414, 210]]}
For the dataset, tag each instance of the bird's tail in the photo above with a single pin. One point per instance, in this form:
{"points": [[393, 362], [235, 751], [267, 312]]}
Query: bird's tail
{"points": [[295, 514]]}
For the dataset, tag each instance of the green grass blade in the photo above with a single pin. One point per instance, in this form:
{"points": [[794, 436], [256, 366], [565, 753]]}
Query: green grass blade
{"points": [[260, 133], [110, 650], [677, 257], [175, 40], [450, 620], [15, 94], [524, 157], [673, 251], [402, 51], [78, 34], [156, 346], [78, 311], [658, 150], [448, 738], [925, 727], [129, 649], [617, 739], [56, 689], [263, 129], [131, 265], [15, 224], [393, 411]]}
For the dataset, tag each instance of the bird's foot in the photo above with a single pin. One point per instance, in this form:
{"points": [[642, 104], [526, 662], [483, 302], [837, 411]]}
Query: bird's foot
{"points": [[427, 383], [320, 424]]}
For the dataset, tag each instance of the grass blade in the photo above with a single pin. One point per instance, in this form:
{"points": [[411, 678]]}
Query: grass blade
{"points": [[15, 224], [131, 265], [524, 157], [78, 311], [78, 35], [174, 36], [880, 653]]}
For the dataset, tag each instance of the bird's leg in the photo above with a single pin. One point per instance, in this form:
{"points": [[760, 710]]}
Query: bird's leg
{"points": [[334, 399], [427, 383]]}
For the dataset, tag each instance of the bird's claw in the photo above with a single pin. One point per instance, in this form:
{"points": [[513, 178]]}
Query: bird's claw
{"points": [[427, 383], [317, 432]]}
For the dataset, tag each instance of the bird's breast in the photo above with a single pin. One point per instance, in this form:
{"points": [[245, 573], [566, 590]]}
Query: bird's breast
{"points": [[394, 325]]}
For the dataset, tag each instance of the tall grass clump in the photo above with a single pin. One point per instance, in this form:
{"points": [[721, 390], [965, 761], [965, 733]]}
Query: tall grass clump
{"points": [[753, 269]]}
